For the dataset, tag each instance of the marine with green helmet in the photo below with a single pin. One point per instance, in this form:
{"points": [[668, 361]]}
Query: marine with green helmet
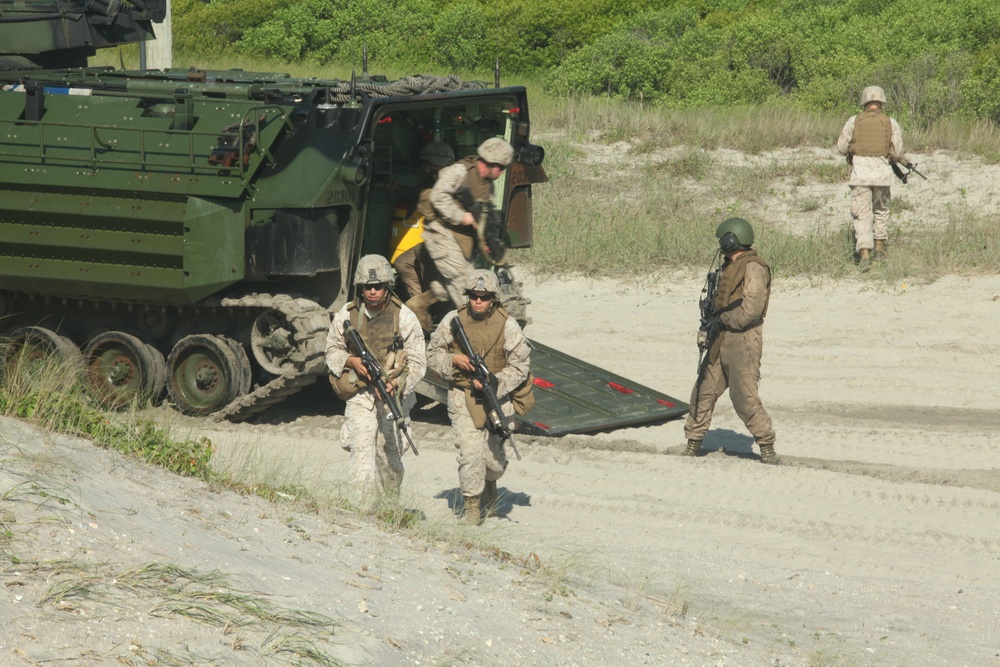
{"points": [[392, 333], [743, 290]]}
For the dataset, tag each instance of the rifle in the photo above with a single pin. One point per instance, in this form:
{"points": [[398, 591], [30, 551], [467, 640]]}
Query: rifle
{"points": [[710, 327], [378, 380], [489, 227], [911, 168], [494, 415]]}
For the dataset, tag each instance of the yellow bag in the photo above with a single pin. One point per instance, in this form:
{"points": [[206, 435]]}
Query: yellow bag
{"points": [[405, 232]]}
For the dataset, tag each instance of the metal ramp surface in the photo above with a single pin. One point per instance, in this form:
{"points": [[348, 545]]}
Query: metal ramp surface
{"points": [[573, 396]]}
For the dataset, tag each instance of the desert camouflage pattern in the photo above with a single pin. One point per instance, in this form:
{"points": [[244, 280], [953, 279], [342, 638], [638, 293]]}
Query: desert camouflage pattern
{"points": [[368, 431], [453, 263], [481, 455], [871, 178], [496, 150]]}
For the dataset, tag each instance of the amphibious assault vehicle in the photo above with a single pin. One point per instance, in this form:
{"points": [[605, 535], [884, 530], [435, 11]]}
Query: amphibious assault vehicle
{"points": [[189, 232]]}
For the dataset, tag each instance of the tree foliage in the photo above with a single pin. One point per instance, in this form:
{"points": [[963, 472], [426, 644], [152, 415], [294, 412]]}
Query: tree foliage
{"points": [[934, 57]]}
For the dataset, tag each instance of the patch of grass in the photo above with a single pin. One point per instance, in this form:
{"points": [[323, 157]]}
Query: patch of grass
{"points": [[693, 163], [897, 204], [50, 393], [208, 598]]}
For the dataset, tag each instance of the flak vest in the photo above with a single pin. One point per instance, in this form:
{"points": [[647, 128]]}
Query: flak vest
{"points": [[481, 190], [487, 339], [731, 283], [872, 134], [380, 333]]}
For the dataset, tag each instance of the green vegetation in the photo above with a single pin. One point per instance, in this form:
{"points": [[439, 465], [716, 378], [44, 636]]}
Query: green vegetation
{"points": [[51, 394], [936, 58]]}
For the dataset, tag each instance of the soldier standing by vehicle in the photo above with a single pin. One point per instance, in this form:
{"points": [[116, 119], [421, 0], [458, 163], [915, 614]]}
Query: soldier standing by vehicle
{"points": [[495, 336], [450, 232], [735, 341], [392, 334], [872, 142]]}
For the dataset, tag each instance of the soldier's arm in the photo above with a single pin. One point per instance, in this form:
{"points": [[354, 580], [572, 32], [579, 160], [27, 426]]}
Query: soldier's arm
{"points": [[413, 343], [336, 346], [442, 195], [895, 140], [438, 350], [518, 358], [756, 288], [844, 140]]}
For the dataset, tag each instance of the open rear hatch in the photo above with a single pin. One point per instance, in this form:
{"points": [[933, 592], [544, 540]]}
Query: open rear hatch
{"points": [[573, 396]]}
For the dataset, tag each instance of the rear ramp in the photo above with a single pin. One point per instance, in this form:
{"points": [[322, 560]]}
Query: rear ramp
{"points": [[573, 396]]}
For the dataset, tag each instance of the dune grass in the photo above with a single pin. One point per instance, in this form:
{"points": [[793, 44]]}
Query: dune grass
{"points": [[52, 395]]}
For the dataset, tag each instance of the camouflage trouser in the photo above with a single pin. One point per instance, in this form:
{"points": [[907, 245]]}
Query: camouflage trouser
{"points": [[376, 462], [481, 454], [870, 212], [409, 266], [449, 260], [738, 369]]}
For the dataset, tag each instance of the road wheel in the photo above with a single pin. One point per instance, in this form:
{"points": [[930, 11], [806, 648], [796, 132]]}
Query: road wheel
{"points": [[121, 369], [29, 348], [203, 374]]}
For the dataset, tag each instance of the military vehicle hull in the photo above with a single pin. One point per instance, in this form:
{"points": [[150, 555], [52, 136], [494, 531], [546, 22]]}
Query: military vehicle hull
{"points": [[188, 233]]}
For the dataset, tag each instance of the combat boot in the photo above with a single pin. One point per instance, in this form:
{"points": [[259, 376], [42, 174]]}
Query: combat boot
{"points": [[490, 498], [471, 514], [693, 448], [420, 305], [768, 455], [865, 260], [880, 253]]}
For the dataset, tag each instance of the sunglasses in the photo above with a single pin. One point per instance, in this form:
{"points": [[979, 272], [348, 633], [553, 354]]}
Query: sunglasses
{"points": [[480, 297], [375, 286]]}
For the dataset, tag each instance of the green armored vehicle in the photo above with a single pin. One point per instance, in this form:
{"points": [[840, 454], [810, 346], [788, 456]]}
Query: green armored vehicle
{"points": [[189, 232]]}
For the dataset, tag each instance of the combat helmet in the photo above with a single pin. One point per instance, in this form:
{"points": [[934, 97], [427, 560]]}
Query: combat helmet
{"points": [[872, 94], [372, 270], [733, 234], [438, 154], [482, 280], [497, 151]]}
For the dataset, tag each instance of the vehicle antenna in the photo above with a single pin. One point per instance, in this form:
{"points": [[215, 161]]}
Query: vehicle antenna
{"points": [[364, 60], [496, 73]]}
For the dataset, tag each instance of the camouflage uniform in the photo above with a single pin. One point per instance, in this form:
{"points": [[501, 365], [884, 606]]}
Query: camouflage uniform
{"points": [[368, 430], [481, 455], [871, 176], [736, 357], [450, 244]]}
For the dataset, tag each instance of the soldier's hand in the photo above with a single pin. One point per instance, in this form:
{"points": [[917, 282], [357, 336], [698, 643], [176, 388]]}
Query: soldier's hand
{"points": [[469, 220], [715, 324], [461, 362], [354, 363]]}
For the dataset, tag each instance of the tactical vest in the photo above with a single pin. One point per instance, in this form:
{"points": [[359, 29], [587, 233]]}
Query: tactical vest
{"points": [[380, 332], [481, 190], [487, 339], [731, 281], [872, 134]]}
